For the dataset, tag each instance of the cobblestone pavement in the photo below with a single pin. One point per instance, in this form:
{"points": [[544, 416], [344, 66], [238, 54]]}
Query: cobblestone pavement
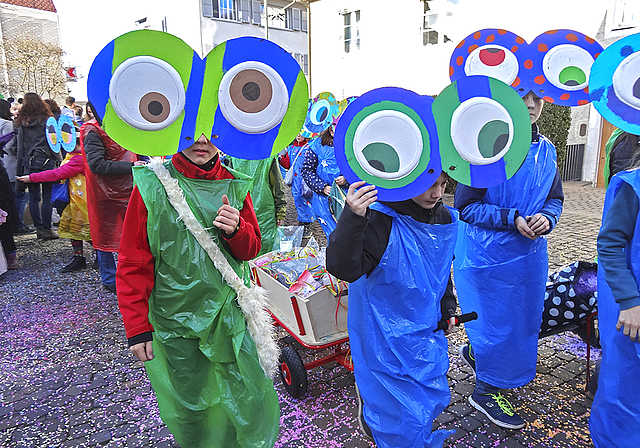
{"points": [[68, 379]]}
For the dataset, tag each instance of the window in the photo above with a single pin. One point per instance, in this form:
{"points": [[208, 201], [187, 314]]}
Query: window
{"points": [[304, 21], [228, 9], [430, 36], [351, 31], [237, 10], [293, 18], [303, 60], [626, 14]]}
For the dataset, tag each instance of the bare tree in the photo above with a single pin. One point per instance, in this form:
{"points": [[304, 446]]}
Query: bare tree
{"points": [[32, 65]]}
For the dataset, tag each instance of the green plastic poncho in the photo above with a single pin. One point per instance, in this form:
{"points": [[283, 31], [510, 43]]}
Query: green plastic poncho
{"points": [[210, 387], [262, 197]]}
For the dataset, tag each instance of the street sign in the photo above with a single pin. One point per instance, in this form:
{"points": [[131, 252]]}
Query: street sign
{"points": [[71, 74]]}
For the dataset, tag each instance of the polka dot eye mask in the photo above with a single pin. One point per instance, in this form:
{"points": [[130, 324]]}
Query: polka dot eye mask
{"points": [[615, 84], [490, 52], [555, 66]]}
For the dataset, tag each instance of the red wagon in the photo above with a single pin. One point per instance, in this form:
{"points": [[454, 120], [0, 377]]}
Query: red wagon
{"points": [[316, 322]]}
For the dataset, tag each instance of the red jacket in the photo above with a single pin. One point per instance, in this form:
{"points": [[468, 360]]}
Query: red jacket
{"points": [[135, 259]]}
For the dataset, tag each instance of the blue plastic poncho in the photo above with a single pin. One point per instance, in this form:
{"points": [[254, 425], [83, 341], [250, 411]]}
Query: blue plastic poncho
{"points": [[400, 361], [303, 204], [501, 275], [615, 413], [327, 170]]}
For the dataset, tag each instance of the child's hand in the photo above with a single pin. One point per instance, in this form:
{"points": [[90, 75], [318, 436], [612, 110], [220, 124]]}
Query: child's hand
{"points": [[629, 322], [228, 217], [340, 180], [359, 201], [327, 190], [143, 351], [538, 223], [24, 179], [523, 228]]}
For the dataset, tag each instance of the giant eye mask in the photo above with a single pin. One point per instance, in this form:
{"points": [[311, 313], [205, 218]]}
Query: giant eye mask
{"points": [[615, 84], [319, 114], [387, 137], [156, 96], [484, 130], [555, 66], [61, 133], [477, 130]]}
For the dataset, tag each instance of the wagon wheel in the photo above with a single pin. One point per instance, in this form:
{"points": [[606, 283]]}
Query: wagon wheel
{"points": [[292, 372]]}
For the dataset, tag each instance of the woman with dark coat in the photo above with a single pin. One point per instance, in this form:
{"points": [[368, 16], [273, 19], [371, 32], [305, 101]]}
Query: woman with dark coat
{"points": [[34, 155]]}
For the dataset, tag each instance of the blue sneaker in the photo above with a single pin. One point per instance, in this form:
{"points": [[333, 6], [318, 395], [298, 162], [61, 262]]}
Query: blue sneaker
{"points": [[467, 356], [498, 409]]}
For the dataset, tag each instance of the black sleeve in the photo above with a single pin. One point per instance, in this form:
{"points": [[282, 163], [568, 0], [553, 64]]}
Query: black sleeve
{"points": [[357, 244], [98, 164], [465, 195], [448, 304], [556, 188], [142, 337]]}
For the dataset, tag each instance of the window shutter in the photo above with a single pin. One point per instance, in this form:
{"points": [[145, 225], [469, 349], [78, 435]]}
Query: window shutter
{"points": [[246, 10], [207, 8], [256, 12]]}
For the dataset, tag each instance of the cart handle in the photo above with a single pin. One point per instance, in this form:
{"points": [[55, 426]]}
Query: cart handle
{"points": [[457, 320]]}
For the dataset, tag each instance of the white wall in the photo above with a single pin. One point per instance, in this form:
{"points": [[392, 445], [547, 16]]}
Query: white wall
{"points": [[391, 38]]}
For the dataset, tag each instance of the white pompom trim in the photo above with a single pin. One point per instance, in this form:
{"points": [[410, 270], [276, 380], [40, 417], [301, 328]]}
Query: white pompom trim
{"points": [[252, 301]]}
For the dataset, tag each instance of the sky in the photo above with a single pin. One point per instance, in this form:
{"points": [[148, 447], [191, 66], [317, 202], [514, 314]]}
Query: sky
{"points": [[86, 27]]}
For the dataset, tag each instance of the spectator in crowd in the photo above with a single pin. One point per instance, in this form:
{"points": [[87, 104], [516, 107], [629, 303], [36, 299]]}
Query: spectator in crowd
{"points": [[67, 109], [34, 155], [109, 185]]}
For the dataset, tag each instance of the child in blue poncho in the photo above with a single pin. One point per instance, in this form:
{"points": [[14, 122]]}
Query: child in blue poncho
{"points": [[397, 256], [615, 414], [501, 269]]}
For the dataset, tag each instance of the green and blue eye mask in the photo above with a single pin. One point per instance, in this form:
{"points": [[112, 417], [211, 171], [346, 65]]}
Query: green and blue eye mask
{"points": [[156, 96]]}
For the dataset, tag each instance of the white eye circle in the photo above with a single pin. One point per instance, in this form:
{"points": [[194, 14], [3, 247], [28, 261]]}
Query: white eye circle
{"points": [[481, 130], [147, 93], [388, 144], [567, 67], [493, 60], [626, 80], [253, 97]]}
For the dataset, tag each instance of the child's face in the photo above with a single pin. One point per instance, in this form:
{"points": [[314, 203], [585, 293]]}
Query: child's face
{"points": [[534, 104], [430, 198], [201, 151]]}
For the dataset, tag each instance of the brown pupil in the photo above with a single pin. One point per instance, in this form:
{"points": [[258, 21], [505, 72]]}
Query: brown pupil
{"points": [[251, 91]]}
